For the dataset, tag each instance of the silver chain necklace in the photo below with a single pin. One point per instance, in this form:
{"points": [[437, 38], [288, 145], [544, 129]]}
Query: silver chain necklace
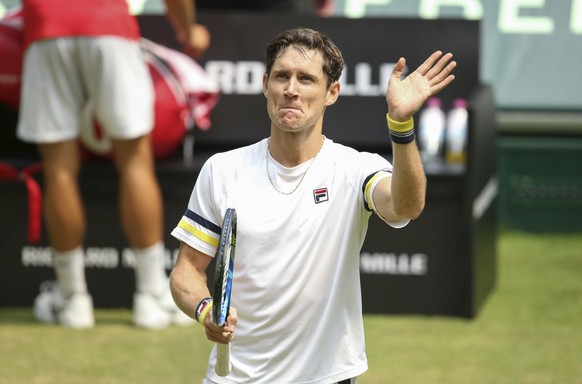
{"points": [[302, 176]]}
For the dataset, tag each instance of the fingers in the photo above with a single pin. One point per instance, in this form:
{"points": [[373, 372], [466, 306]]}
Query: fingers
{"points": [[218, 334], [406, 95], [439, 86], [232, 316], [399, 68], [441, 70], [436, 64], [225, 333], [443, 77], [437, 71], [425, 67]]}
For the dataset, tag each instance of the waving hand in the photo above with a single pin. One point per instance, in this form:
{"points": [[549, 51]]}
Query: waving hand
{"points": [[406, 96]]}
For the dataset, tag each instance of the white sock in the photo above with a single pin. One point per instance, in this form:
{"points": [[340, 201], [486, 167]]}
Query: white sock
{"points": [[69, 268], [150, 269]]}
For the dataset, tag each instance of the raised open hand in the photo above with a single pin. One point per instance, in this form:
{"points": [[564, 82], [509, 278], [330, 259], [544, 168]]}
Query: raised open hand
{"points": [[406, 96]]}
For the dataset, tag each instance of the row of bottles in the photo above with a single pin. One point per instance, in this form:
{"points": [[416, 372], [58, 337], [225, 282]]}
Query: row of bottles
{"points": [[443, 135]]}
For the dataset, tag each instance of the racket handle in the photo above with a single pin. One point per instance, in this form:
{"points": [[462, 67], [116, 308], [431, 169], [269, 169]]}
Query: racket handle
{"points": [[222, 359]]}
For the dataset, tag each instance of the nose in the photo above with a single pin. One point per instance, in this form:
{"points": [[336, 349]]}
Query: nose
{"points": [[291, 89]]}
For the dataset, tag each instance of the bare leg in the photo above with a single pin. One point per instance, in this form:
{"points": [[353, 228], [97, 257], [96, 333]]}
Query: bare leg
{"points": [[63, 206], [141, 211], [64, 214], [70, 305], [141, 216], [140, 196]]}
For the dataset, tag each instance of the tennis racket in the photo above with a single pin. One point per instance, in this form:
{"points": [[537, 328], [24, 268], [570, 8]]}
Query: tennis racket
{"points": [[223, 285]]}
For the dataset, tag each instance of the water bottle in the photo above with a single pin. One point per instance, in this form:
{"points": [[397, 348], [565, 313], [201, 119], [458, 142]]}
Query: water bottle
{"points": [[431, 131], [457, 132]]}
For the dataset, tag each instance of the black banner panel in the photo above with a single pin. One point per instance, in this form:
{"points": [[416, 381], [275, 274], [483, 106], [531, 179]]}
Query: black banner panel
{"points": [[370, 48]]}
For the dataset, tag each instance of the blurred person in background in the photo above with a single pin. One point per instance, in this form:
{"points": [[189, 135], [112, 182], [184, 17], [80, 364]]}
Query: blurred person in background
{"points": [[80, 53]]}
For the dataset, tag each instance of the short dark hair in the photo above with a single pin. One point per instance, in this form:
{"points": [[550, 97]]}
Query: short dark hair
{"points": [[309, 39]]}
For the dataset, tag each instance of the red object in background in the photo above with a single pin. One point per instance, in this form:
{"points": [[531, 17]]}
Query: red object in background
{"points": [[184, 93], [11, 62], [184, 98], [34, 196], [171, 119]]}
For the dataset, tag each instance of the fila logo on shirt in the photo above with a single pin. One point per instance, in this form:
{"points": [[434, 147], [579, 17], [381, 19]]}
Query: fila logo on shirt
{"points": [[320, 195]]}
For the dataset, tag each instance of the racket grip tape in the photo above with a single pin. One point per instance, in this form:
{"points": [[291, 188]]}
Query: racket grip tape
{"points": [[222, 359]]}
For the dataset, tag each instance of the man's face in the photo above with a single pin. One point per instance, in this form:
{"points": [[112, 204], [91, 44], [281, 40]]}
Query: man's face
{"points": [[296, 90]]}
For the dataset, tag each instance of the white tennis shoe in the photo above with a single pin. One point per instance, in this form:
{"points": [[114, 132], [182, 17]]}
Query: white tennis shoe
{"points": [[74, 312], [154, 312]]}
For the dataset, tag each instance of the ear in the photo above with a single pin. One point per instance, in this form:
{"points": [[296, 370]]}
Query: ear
{"points": [[265, 79], [332, 93]]}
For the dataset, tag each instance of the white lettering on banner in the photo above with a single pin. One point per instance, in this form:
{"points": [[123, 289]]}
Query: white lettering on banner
{"points": [[249, 77], [240, 77], [357, 8], [472, 9], [36, 257], [511, 22], [393, 264], [363, 85], [576, 17], [128, 258], [106, 258], [95, 257], [223, 73], [246, 78]]}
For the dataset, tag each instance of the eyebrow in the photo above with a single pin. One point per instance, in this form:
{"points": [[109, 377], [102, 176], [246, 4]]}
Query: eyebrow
{"points": [[275, 71]]}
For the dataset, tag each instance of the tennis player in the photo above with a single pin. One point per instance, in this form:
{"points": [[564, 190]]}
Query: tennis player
{"points": [[81, 54], [303, 204]]}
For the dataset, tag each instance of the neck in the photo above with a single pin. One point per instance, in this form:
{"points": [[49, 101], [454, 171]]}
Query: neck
{"points": [[291, 151]]}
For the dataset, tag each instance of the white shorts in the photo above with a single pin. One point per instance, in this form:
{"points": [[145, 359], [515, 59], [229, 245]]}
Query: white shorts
{"points": [[65, 79]]}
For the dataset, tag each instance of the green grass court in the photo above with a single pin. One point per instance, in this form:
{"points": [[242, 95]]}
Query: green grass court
{"points": [[529, 331]]}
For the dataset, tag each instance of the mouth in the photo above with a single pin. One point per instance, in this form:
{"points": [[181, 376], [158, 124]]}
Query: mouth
{"points": [[292, 110]]}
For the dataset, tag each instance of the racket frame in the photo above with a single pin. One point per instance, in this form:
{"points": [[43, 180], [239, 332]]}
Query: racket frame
{"points": [[223, 275]]}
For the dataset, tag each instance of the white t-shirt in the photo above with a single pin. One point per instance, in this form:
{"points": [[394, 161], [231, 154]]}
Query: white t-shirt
{"points": [[296, 276]]}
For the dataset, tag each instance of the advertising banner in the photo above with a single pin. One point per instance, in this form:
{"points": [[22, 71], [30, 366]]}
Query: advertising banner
{"points": [[235, 61], [529, 48], [423, 268]]}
